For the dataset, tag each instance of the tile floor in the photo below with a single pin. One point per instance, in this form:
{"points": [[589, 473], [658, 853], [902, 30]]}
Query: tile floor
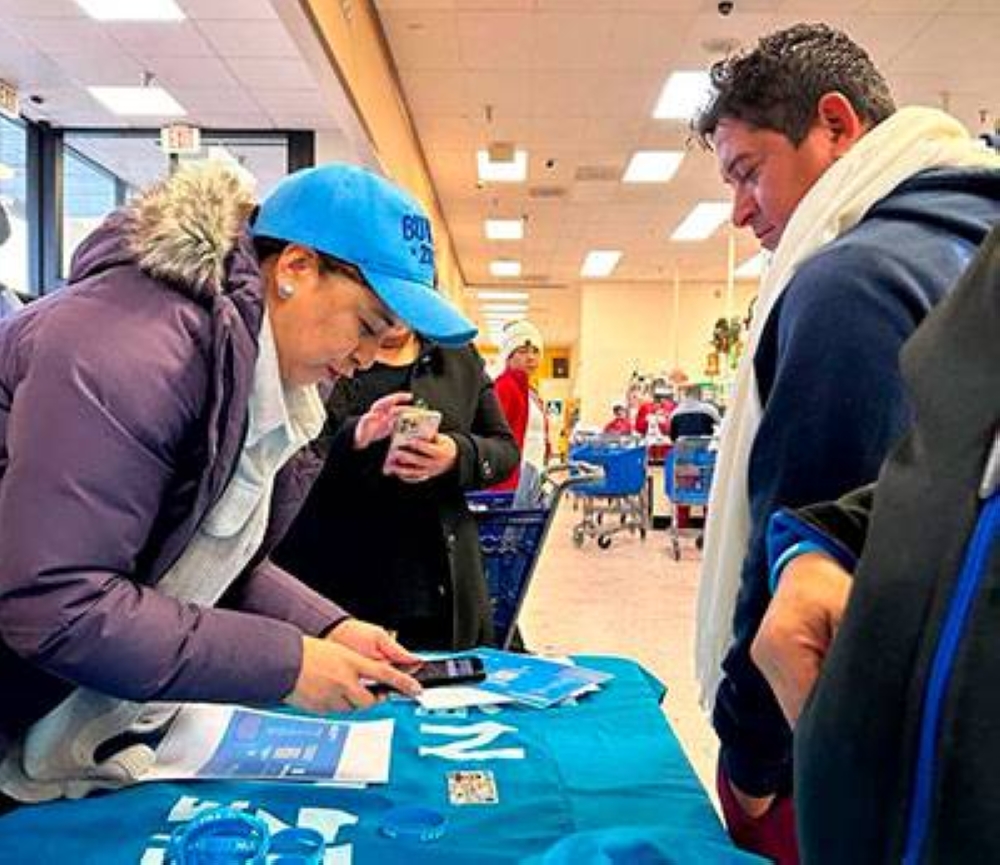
{"points": [[631, 600]]}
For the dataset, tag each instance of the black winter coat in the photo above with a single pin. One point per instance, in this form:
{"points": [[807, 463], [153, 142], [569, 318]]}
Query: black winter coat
{"points": [[334, 540], [857, 745]]}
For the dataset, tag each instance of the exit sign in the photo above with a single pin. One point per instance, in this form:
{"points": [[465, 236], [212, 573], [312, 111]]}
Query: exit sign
{"points": [[180, 138], [8, 100]]}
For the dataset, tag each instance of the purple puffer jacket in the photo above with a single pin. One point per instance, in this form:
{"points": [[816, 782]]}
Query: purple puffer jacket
{"points": [[123, 405]]}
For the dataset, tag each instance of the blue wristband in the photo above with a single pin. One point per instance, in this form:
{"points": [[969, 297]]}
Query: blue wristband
{"points": [[793, 552]]}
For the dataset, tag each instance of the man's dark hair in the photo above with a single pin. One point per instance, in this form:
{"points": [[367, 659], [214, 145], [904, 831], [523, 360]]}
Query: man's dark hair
{"points": [[777, 85]]}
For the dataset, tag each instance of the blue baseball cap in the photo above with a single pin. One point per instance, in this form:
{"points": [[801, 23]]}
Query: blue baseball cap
{"points": [[356, 216]]}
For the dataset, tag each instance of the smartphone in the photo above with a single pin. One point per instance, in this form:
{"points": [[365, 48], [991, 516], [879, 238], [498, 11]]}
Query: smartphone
{"points": [[449, 671], [439, 673], [413, 423]]}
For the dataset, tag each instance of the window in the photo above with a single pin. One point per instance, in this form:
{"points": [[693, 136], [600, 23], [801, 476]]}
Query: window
{"points": [[14, 200], [90, 192]]}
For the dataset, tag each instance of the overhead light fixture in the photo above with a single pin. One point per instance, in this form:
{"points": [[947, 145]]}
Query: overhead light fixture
{"points": [[683, 95], [132, 10], [493, 170], [753, 267], [136, 101], [652, 166], [502, 295], [6, 171], [504, 308], [504, 229], [703, 220], [505, 267], [600, 262]]}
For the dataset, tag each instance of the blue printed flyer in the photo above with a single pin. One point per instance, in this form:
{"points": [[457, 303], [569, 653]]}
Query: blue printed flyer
{"points": [[213, 741], [535, 681]]}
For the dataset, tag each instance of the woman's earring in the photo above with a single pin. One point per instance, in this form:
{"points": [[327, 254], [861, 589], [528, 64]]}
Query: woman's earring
{"points": [[286, 290]]}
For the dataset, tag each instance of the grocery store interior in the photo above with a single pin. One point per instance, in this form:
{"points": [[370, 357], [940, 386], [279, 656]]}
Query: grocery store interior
{"points": [[549, 142]]}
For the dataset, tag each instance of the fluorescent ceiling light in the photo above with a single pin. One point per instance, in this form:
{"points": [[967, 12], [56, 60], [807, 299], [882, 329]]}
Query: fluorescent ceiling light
{"points": [[652, 166], [504, 229], [682, 96], [510, 171], [600, 262], [138, 101], [752, 268], [702, 222], [502, 295], [506, 309], [132, 10], [505, 267], [6, 172]]}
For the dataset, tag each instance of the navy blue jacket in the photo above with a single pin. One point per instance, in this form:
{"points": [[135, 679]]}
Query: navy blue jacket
{"points": [[834, 404]]}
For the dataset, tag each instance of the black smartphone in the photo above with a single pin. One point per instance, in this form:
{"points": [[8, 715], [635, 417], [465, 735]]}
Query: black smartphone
{"points": [[440, 672], [449, 671]]}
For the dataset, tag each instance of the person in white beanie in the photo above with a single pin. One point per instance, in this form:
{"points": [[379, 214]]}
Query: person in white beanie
{"points": [[521, 348]]}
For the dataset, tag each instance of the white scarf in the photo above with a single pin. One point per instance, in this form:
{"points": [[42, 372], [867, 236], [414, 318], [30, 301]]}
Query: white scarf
{"points": [[910, 141]]}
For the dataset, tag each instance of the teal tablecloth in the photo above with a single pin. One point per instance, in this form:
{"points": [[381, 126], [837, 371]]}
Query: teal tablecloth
{"points": [[603, 781]]}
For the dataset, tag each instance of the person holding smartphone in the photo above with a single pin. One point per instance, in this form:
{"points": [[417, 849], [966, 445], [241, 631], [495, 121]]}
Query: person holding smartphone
{"points": [[406, 439], [154, 417]]}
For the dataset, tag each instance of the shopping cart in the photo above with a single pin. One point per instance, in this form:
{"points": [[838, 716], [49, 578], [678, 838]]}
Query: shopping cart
{"points": [[511, 540], [620, 500], [688, 474]]}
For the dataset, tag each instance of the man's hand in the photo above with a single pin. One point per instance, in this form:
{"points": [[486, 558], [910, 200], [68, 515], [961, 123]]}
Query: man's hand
{"points": [[371, 641], [419, 460], [754, 807], [799, 626], [377, 423], [330, 679]]}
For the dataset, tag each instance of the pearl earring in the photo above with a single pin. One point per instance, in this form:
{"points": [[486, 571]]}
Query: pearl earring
{"points": [[286, 290]]}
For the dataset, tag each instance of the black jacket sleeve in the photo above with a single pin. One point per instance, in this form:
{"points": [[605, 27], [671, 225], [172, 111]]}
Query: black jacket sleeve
{"points": [[845, 520]]}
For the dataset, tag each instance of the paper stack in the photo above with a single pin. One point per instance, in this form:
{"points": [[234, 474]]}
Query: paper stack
{"points": [[516, 678]]}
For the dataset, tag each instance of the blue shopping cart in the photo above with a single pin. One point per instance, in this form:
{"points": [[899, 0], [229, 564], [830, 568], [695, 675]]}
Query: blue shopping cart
{"points": [[511, 540], [619, 501], [688, 473]]}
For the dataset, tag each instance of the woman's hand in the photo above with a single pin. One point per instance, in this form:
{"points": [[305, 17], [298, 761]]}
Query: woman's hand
{"points": [[333, 676], [372, 641], [377, 423], [419, 460]]}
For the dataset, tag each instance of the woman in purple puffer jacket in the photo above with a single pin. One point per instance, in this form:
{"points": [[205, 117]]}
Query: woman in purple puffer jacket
{"points": [[150, 413]]}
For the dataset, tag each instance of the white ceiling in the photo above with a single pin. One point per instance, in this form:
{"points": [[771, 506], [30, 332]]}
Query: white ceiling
{"points": [[232, 64], [575, 81]]}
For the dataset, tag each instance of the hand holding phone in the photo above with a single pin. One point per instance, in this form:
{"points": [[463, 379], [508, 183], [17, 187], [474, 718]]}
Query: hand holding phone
{"points": [[416, 451], [439, 673]]}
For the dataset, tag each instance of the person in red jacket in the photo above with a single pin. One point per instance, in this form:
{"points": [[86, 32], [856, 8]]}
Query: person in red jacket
{"points": [[653, 417], [620, 423], [521, 348]]}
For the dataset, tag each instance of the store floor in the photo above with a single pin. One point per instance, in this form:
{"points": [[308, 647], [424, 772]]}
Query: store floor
{"points": [[631, 600]]}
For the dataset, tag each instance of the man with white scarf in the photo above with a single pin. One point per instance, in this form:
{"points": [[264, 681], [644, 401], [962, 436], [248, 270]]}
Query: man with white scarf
{"points": [[871, 215]]}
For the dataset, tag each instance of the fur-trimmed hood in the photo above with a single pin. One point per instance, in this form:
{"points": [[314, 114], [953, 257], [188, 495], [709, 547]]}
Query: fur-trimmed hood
{"points": [[181, 230]]}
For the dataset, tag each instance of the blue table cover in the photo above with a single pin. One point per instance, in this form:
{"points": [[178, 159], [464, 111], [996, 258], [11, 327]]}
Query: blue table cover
{"points": [[603, 781]]}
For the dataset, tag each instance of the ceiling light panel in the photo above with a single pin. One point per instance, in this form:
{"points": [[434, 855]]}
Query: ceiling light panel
{"points": [[683, 95], [502, 295], [702, 222], [505, 267], [600, 262], [508, 171], [504, 229], [137, 101], [652, 166], [505, 307], [132, 10]]}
